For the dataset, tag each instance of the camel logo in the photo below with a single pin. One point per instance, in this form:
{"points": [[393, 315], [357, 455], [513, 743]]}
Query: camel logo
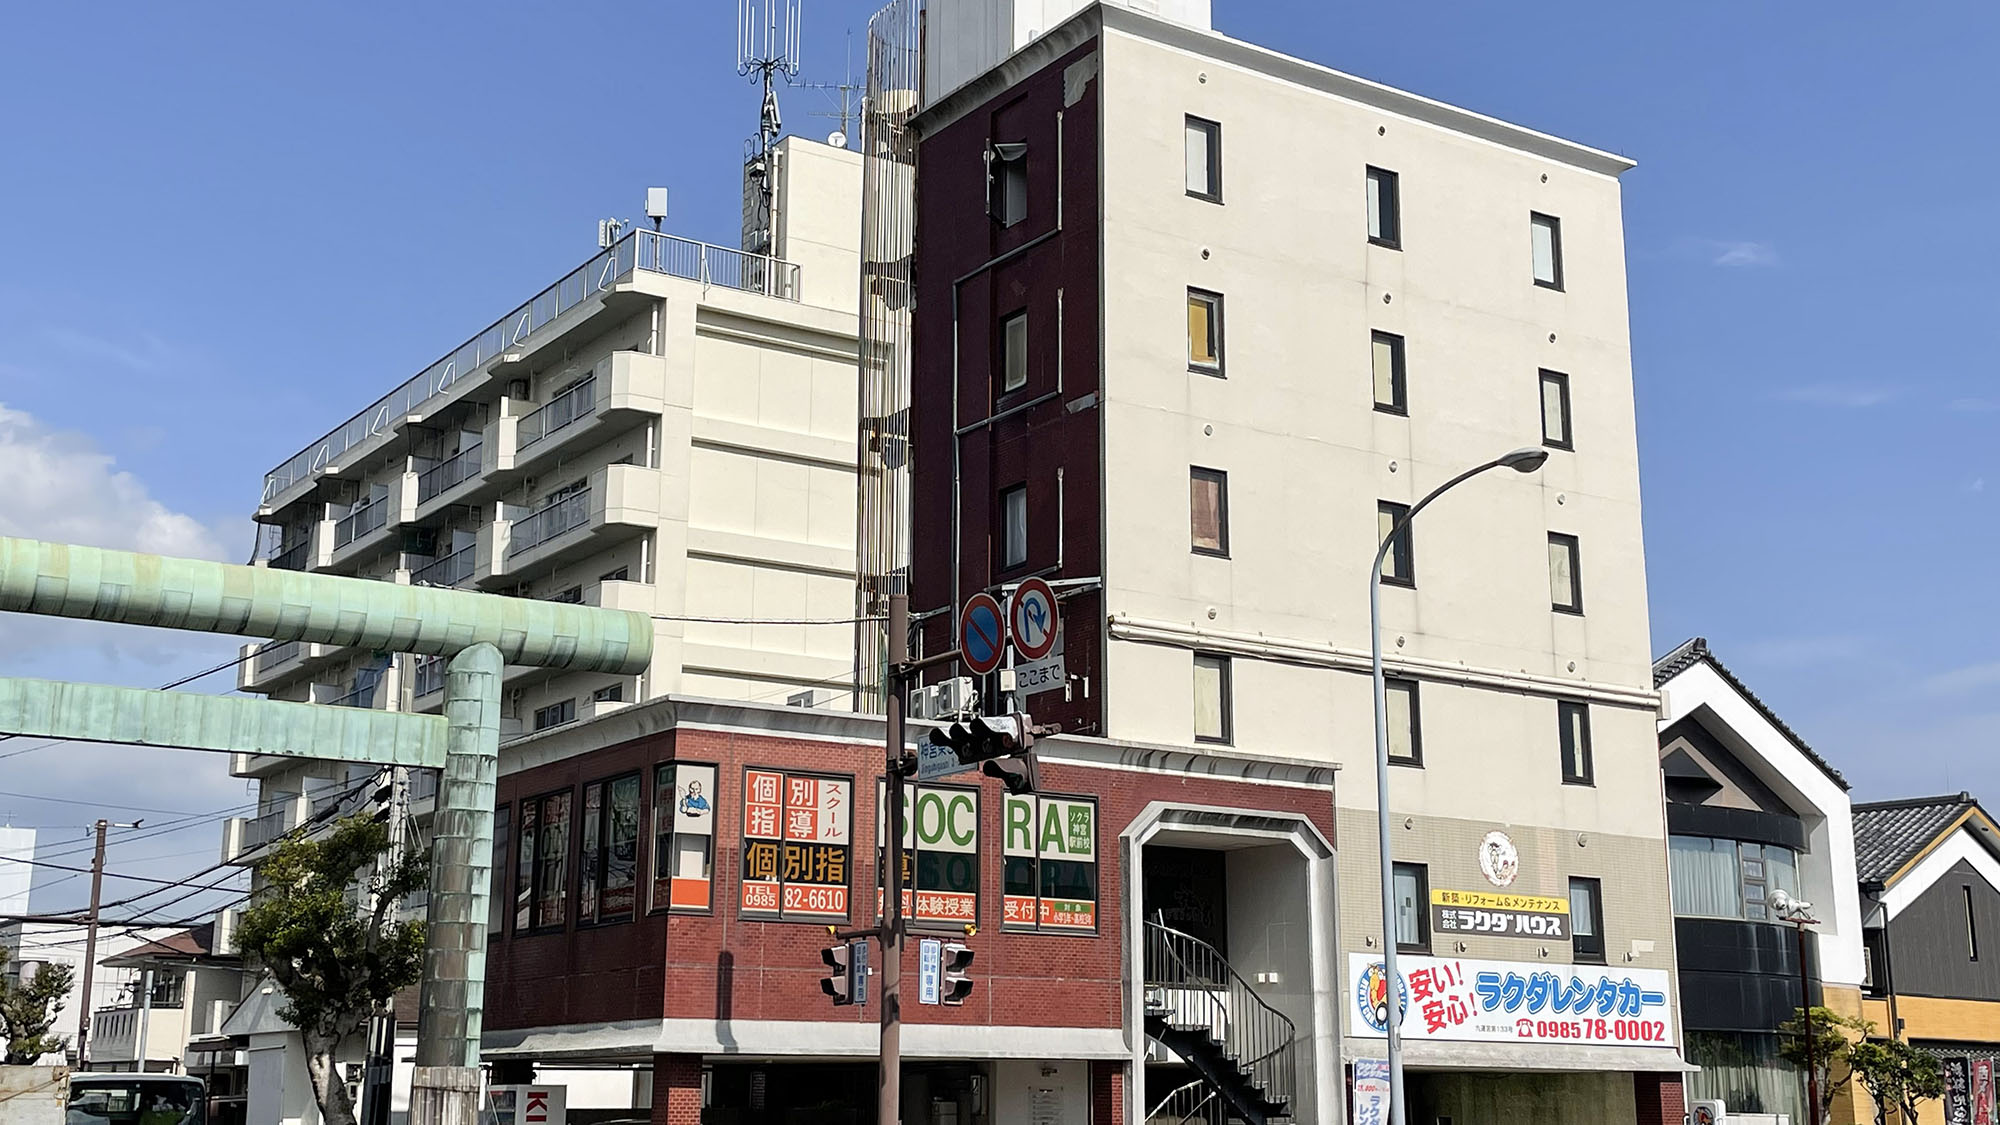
{"points": [[1498, 860]]}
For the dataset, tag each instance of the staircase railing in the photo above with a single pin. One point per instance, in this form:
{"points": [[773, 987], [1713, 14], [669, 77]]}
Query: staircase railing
{"points": [[1212, 994], [1196, 1103]]}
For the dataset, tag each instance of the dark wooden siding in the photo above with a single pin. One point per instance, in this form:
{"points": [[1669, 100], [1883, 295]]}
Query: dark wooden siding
{"points": [[1928, 942]]}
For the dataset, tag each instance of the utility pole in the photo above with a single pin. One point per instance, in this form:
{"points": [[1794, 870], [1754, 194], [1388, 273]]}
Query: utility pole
{"points": [[889, 1090], [90, 939]]}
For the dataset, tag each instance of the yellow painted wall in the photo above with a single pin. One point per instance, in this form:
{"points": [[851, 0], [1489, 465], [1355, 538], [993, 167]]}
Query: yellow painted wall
{"points": [[1924, 1018]]}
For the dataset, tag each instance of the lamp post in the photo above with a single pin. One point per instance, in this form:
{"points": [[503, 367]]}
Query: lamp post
{"points": [[1799, 914], [1521, 461]]}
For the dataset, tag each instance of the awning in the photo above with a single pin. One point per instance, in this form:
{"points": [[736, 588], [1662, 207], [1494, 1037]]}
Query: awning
{"points": [[1524, 1056]]}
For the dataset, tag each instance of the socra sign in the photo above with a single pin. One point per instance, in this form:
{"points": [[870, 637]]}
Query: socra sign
{"points": [[940, 853]]}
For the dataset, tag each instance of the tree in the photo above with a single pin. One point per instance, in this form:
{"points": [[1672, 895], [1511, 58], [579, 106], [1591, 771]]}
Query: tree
{"points": [[28, 1011], [1832, 1036], [320, 927], [1896, 1076]]}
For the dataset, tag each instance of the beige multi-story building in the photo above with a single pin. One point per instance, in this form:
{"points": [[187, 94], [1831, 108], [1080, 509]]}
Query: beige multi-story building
{"points": [[1195, 322], [669, 428]]}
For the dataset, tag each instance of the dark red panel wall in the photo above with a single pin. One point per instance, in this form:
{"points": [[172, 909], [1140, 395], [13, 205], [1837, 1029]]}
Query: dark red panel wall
{"points": [[1051, 270]]}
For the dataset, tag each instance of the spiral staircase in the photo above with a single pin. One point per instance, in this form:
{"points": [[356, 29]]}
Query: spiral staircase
{"points": [[1202, 1010]]}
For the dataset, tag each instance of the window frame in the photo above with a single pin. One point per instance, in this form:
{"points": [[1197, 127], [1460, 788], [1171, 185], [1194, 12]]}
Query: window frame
{"points": [[1590, 951], [1416, 757], [559, 707], [1575, 548], [1401, 558], [1399, 380], [1423, 911], [532, 854], [1006, 561], [1006, 352], [593, 871], [1215, 327], [1971, 926], [1560, 379], [1388, 206], [1226, 704], [1212, 131], [661, 823], [1564, 709], [1221, 479], [1536, 218], [497, 917]]}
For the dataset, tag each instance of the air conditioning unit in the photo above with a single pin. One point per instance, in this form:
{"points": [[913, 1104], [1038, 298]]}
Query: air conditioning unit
{"points": [[956, 696], [924, 702]]}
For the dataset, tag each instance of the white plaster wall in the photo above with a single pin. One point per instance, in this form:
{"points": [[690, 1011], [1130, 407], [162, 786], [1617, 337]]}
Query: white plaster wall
{"points": [[1015, 1081]]}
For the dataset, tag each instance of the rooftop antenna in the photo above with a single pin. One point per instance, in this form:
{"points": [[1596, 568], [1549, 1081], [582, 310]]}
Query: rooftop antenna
{"points": [[767, 45], [847, 95]]}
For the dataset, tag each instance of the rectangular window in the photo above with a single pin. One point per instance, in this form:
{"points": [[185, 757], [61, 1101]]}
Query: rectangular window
{"points": [[1406, 740], [541, 891], [1874, 973], [941, 857], [610, 693], [1555, 411], [1573, 720], [1385, 219], [1413, 908], [1204, 332], [555, 714], [1014, 527], [1386, 356], [1211, 698], [1546, 232], [798, 845], [683, 836], [1204, 159], [1398, 566], [1014, 352], [610, 874], [1049, 864], [1971, 927], [1586, 920], [1565, 574], [1007, 183], [1208, 511], [503, 840]]}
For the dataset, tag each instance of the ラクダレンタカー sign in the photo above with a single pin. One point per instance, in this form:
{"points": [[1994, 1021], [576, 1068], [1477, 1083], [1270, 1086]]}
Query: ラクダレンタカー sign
{"points": [[1456, 998]]}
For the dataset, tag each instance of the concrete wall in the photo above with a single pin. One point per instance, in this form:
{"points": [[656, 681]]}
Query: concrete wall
{"points": [[1018, 1086], [1270, 944]]}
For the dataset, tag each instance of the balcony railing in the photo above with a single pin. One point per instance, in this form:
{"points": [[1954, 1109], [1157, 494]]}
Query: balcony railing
{"points": [[270, 826], [560, 411], [644, 250], [359, 522], [273, 654], [362, 695], [449, 473], [569, 512], [292, 558], [451, 570]]}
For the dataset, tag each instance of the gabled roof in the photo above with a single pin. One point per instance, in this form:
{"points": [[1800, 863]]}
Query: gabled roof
{"points": [[1890, 835], [1695, 651], [187, 945]]}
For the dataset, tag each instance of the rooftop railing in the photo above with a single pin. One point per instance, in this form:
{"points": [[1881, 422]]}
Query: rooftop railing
{"points": [[643, 250], [271, 654]]}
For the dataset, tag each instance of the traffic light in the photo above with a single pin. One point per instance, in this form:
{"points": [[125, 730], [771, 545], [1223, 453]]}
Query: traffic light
{"points": [[838, 984], [1004, 744], [956, 985]]}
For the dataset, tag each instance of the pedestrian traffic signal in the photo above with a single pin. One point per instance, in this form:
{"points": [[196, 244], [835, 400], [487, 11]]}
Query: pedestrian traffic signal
{"points": [[954, 963], [838, 984]]}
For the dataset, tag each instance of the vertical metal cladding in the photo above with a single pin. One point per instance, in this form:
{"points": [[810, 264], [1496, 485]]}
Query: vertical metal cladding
{"points": [[135, 589]]}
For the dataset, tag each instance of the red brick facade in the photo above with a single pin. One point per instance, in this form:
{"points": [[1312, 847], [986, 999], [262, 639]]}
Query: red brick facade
{"points": [[676, 1090], [1659, 1099], [1107, 1093], [721, 966]]}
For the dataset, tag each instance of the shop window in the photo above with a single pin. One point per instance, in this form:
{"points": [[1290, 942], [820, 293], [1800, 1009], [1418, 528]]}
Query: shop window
{"points": [[610, 877], [684, 800]]}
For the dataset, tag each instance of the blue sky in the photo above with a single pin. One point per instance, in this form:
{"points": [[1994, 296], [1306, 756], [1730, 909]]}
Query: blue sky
{"points": [[228, 226]]}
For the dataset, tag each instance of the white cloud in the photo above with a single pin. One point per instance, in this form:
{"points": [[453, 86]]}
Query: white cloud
{"points": [[1976, 485], [1958, 681], [150, 355], [61, 487], [1848, 396], [1744, 254]]}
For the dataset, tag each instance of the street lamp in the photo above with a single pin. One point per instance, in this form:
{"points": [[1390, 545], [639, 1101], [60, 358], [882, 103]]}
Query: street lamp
{"points": [[1521, 461], [1799, 914]]}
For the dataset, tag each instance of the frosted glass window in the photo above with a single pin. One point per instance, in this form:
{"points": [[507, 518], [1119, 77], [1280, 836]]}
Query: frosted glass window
{"points": [[1204, 159], [1412, 895], [1565, 582], [1211, 698], [1205, 331], [1014, 352], [1386, 357], [1384, 212], [1405, 739], [1014, 527], [1546, 235]]}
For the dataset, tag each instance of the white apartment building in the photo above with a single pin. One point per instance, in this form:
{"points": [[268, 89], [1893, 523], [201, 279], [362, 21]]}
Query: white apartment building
{"points": [[30, 945], [1195, 322], [668, 428]]}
